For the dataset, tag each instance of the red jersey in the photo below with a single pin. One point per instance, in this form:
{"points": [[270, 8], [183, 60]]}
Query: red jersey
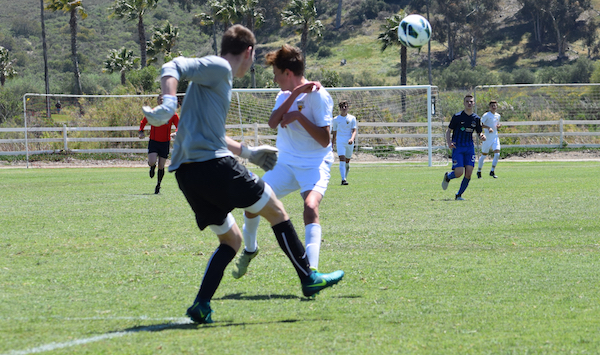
{"points": [[162, 133]]}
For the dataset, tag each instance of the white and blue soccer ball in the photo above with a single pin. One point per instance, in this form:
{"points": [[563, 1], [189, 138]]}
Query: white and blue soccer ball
{"points": [[414, 31]]}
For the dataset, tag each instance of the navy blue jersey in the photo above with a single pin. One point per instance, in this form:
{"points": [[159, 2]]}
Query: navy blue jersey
{"points": [[462, 126]]}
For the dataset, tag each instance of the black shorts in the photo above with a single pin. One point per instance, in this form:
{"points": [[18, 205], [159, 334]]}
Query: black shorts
{"points": [[214, 188], [162, 148]]}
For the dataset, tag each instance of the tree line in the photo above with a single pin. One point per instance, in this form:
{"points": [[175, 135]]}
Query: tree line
{"points": [[463, 27]]}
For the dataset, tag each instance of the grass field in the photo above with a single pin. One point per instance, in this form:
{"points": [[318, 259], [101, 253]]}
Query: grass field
{"points": [[92, 262]]}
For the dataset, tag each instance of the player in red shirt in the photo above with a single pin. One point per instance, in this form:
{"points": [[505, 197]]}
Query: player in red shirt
{"points": [[158, 145]]}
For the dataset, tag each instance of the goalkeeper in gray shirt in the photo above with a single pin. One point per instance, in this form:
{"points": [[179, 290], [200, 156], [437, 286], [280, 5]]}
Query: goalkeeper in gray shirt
{"points": [[211, 179]]}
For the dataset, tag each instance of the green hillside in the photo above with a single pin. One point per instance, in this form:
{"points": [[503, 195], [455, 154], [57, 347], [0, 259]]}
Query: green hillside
{"points": [[355, 43]]}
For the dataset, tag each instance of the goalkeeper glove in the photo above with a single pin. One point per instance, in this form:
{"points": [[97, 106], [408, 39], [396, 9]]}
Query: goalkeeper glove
{"points": [[264, 156], [161, 114]]}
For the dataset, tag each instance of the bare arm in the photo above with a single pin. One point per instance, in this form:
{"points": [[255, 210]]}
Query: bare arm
{"points": [[353, 138], [277, 115], [320, 134], [233, 146], [449, 142]]}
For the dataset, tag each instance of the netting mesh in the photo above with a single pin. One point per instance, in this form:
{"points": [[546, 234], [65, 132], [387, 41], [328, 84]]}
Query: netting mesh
{"points": [[391, 121], [545, 115]]}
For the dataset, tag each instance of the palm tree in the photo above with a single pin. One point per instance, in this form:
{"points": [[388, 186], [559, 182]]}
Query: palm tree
{"points": [[204, 19], [74, 8], [7, 70], [338, 16], [45, 55], [389, 37], [303, 13], [132, 10], [121, 60], [162, 41]]}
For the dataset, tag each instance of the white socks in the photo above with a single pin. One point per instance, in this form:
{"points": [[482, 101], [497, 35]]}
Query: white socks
{"points": [[343, 169], [249, 231], [312, 240], [481, 160], [495, 161]]}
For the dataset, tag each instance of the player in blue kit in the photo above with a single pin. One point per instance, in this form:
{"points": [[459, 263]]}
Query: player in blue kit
{"points": [[459, 138]]}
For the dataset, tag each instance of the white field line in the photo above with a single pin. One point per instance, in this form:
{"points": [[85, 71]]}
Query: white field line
{"points": [[150, 328]]}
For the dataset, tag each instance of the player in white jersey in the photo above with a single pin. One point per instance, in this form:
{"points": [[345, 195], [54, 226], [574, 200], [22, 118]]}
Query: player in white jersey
{"points": [[302, 116], [490, 122], [344, 134]]}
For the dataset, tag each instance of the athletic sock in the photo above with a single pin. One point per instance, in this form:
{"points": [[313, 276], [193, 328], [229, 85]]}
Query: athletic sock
{"points": [[481, 161], [451, 175], [214, 271], [463, 186], [160, 175], [343, 169], [312, 240], [347, 168], [293, 248], [249, 230], [495, 161]]}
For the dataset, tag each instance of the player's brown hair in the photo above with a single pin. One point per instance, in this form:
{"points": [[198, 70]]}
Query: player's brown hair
{"points": [[344, 103], [287, 57], [493, 102], [236, 40]]}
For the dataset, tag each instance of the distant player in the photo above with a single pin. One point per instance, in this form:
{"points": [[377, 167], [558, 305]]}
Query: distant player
{"points": [[158, 145], [344, 134], [491, 122], [459, 138]]}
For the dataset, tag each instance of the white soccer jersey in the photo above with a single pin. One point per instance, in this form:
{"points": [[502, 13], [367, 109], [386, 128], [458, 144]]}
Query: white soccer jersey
{"points": [[491, 120], [343, 126], [296, 146]]}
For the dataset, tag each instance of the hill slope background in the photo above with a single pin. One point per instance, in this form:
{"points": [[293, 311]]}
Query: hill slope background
{"points": [[355, 43]]}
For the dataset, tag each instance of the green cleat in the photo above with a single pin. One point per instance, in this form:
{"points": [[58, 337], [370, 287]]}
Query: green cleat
{"points": [[200, 313], [241, 263], [317, 281]]}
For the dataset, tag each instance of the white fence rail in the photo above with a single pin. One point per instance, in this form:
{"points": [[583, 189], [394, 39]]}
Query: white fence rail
{"points": [[7, 145]]}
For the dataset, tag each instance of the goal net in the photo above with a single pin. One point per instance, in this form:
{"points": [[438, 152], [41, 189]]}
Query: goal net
{"points": [[395, 123], [545, 115], [398, 123]]}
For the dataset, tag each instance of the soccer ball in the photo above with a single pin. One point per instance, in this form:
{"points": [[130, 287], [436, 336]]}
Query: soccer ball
{"points": [[414, 31]]}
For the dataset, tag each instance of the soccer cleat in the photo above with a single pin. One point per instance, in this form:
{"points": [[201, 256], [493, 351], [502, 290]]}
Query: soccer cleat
{"points": [[445, 181], [200, 312], [152, 171], [157, 189], [317, 281], [492, 174], [479, 174], [241, 263], [344, 182], [459, 198]]}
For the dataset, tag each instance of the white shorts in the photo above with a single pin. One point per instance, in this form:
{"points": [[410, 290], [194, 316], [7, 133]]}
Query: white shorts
{"points": [[345, 149], [492, 143], [285, 179]]}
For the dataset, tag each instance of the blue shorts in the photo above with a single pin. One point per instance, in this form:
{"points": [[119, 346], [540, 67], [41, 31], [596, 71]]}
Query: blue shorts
{"points": [[463, 156]]}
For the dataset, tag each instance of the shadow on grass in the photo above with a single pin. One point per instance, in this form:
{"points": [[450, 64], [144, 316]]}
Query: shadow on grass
{"points": [[240, 296], [190, 325]]}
